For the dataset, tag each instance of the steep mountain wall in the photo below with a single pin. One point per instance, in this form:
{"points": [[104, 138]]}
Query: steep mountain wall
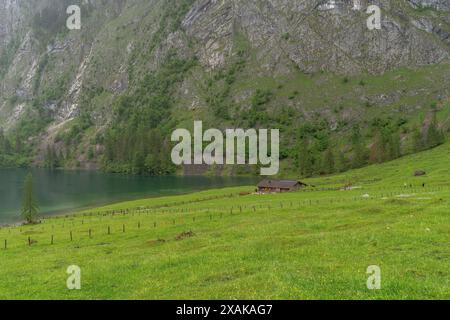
{"points": [[51, 77]]}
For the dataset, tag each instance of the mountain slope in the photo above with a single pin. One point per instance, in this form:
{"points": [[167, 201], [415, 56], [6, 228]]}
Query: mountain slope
{"points": [[109, 95]]}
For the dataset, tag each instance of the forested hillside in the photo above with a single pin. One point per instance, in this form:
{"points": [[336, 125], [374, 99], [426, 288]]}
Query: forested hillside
{"points": [[109, 95]]}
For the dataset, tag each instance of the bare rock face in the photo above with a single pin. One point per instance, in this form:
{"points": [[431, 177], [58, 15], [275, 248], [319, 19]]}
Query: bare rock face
{"points": [[443, 5], [315, 35], [10, 20], [44, 66]]}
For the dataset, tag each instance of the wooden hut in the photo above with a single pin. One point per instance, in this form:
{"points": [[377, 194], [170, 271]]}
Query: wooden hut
{"points": [[272, 186]]}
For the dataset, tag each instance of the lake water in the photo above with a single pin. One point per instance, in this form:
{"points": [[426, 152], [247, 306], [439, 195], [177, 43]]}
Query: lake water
{"points": [[62, 191]]}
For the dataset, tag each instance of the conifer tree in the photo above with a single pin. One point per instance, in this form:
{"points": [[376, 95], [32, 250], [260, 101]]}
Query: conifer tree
{"points": [[434, 135], [359, 150], [305, 160], [341, 162], [329, 163], [418, 143], [377, 150], [30, 208], [394, 146]]}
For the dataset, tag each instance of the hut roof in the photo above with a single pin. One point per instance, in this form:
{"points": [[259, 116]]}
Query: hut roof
{"points": [[283, 184]]}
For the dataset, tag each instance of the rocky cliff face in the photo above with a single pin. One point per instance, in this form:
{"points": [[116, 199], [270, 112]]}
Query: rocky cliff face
{"points": [[443, 5], [319, 35], [11, 15], [48, 72]]}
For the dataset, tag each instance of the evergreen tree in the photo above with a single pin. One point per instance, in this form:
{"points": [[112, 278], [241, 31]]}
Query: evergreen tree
{"points": [[18, 144], [329, 164], [138, 163], [378, 150], [91, 153], [359, 150], [341, 162], [418, 141], [394, 146], [2, 141], [49, 157], [29, 206], [434, 136], [305, 161], [61, 157], [7, 149], [385, 145], [52, 160]]}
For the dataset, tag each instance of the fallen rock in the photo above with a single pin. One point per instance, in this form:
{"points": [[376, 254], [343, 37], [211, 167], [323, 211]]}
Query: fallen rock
{"points": [[419, 173]]}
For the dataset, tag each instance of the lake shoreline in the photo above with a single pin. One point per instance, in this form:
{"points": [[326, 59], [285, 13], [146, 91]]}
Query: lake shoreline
{"points": [[62, 192], [85, 210]]}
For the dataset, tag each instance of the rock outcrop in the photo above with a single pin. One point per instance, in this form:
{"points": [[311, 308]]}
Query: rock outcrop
{"points": [[48, 70]]}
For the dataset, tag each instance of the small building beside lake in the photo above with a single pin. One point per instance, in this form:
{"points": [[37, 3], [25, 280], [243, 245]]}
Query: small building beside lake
{"points": [[279, 186]]}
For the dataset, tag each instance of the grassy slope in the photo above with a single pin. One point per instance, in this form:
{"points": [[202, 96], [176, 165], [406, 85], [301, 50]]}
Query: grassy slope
{"points": [[303, 245], [400, 96]]}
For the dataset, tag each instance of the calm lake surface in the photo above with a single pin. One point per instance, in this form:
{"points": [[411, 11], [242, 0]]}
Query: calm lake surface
{"points": [[62, 191]]}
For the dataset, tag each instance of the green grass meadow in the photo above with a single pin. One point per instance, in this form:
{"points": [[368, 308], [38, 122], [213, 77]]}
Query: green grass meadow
{"points": [[227, 244]]}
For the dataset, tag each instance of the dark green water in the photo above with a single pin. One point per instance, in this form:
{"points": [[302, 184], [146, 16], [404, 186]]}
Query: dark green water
{"points": [[62, 191]]}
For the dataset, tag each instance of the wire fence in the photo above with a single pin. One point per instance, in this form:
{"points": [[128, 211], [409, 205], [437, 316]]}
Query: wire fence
{"points": [[196, 214]]}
